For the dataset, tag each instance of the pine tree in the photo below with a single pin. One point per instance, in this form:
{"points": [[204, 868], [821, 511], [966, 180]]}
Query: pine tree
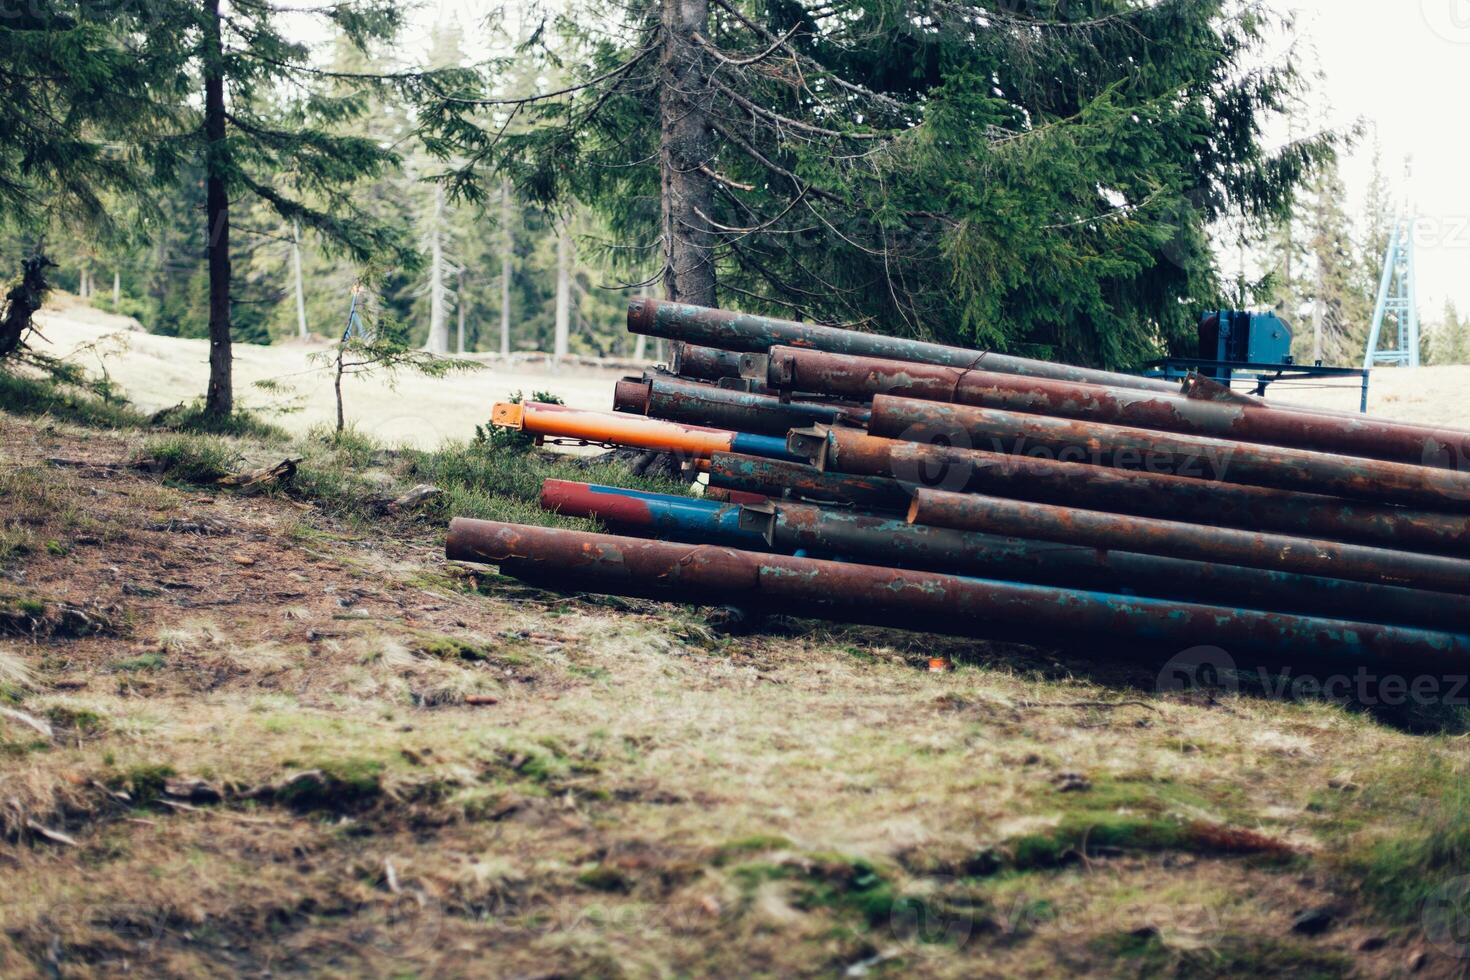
{"points": [[272, 132], [1450, 341], [85, 94], [948, 169], [1336, 276]]}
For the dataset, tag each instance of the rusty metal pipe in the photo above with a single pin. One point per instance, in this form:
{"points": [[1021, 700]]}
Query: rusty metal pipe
{"points": [[746, 332], [705, 363], [779, 478], [678, 400], [825, 533], [1151, 536], [644, 514], [1252, 421], [927, 601], [1133, 492], [1200, 457]]}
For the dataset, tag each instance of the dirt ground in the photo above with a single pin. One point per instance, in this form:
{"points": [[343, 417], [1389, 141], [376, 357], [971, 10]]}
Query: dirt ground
{"points": [[242, 737], [264, 733]]}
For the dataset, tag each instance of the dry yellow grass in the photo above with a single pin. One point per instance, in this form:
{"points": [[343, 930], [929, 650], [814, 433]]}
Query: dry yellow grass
{"points": [[266, 761]]}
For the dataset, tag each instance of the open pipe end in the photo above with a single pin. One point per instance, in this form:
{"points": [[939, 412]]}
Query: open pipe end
{"points": [[915, 509], [632, 395], [508, 415], [641, 311]]}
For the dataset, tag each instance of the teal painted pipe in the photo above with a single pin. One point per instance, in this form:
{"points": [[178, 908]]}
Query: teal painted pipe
{"points": [[931, 601]]}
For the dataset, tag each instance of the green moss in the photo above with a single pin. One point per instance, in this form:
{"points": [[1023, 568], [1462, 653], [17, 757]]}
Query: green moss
{"points": [[756, 844], [450, 648], [847, 886], [144, 782], [1398, 873], [1080, 833], [145, 661], [604, 878], [29, 607], [337, 785], [78, 720]]}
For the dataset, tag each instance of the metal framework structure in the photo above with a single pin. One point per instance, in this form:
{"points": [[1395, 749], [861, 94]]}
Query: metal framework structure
{"points": [[1398, 299]]}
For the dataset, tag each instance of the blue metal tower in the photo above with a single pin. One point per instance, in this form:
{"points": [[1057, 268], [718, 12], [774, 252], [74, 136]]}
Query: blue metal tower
{"points": [[1398, 301]]}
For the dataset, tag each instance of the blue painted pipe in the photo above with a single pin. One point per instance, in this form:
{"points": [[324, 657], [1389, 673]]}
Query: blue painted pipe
{"points": [[653, 515]]}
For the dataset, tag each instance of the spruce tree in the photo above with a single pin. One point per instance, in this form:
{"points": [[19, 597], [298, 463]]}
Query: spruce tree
{"points": [[936, 168], [1335, 278], [85, 93], [275, 129]]}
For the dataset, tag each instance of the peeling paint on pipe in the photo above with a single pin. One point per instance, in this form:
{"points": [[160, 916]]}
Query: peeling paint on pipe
{"points": [[650, 514], [778, 478], [678, 400], [1097, 529], [1134, 492], [744, 332], [1245, 420], [820, 532], [1128, 447], [927, 601]]}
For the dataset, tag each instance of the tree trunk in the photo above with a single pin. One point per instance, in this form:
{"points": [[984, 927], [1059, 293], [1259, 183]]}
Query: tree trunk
{"points": [[84, 282], [219, 401], [22, 301], [301, 329], [684, 147], [640, 345], [438, 323], [116, 291], [507, 254], [563, 290], [1317, 317], [459, 304]]}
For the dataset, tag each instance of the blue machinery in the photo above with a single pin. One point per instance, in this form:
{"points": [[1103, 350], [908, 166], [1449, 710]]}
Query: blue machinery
{"points": [[1254, 347]]}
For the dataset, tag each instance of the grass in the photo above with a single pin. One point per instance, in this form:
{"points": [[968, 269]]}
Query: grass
{"points": [[637, 796], [191, 458], [27, 396], [1400, 869]]}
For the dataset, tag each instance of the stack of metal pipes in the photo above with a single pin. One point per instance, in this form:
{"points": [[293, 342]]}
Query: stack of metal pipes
{"points": [[874, 479]]}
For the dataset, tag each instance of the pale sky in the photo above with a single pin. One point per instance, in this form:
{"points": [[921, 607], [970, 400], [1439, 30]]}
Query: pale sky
{"points": [[1402, 66]]}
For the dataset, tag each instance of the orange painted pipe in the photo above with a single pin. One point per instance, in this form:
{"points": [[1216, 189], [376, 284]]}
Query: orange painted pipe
{"points": [[621, 429]]}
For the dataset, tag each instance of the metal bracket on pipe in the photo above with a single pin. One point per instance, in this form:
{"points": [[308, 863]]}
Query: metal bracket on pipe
{"points": [[754, 366], [760, 518], [809, 443]]}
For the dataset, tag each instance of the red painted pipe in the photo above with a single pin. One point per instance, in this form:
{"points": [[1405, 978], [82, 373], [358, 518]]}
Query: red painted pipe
{"points": [[1128, 447]]}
